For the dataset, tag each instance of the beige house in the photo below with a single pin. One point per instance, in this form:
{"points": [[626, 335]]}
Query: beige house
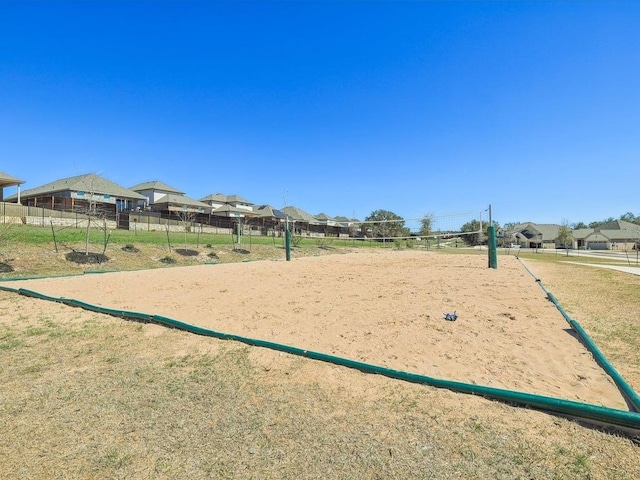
{"points": [[154, 191], [228, 205], [615, 235], [530, 235], [82, 193]]}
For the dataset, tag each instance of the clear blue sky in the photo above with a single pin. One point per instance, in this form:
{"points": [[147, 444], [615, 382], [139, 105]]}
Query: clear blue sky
{"points": [[334, 107]]}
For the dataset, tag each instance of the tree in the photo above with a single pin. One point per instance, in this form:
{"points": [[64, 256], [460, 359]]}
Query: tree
{"points": [[474, 236], [579, 225], [511, 225], [385, 224], [186, 217], [629, 217], [565, 237], [426, 225]]}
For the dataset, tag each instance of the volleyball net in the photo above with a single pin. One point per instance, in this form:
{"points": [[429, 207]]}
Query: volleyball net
{"points": [[426, 227]]}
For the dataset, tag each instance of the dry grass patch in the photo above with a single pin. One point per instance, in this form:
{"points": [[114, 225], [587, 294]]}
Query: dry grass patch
{"points": [[25, 260]]}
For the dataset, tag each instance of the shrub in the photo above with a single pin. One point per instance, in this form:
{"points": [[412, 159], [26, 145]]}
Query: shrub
{"points": [[296, 240], [129, 247]]}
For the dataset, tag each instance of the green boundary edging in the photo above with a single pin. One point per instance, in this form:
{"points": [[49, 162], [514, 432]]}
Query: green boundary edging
{"points": [[627, 391], [578, 410]]}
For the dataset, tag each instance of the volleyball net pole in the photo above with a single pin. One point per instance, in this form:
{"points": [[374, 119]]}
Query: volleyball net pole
{"points": [[492, 243]]}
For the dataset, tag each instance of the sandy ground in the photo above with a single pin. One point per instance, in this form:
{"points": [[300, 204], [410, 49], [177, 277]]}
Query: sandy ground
{"points": [[384, 307]]}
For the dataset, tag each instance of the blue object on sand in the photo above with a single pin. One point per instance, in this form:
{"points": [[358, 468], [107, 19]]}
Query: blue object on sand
{"points": [[452, 317]]}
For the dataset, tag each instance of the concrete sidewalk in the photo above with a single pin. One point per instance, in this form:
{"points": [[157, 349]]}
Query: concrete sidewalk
{"points": [[631, 270]]}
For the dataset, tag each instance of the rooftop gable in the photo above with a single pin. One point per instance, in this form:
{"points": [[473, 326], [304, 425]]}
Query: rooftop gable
{"points": [[237, 199], [222, 198], [215, 198], [299, 215], [157, 186]]}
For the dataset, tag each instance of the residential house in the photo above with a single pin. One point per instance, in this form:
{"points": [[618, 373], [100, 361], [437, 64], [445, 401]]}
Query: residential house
{"points": [[532, 235], [270, 220], [349, 226], [175, 204], [616, 235], [303, 222], [82, 193], [330, 225], [240, 206], [228, 211], [154, 191]]}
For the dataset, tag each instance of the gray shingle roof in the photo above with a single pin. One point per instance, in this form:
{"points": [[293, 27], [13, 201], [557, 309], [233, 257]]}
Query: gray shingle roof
{"points": [[155, 185], [548, 231], [618, 225], [172, 199], [237, 199], [625, 234], [7, 180], [89, 183], [269, 212], [221, 198], [299, 215], [215, 197]]}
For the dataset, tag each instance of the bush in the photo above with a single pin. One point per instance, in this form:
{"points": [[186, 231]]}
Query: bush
{"points": [[168, 259], [324, 242], [296, 240]]}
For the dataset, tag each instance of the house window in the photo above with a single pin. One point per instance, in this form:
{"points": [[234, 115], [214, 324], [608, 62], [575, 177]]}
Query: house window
{"points": [[107, 196], [80, 194]]}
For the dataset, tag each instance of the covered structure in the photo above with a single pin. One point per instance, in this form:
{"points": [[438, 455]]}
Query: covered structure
{"points": [[614, 235], [7, 180], [82, 193], [532, 235], [302, 221], [154, 191], [270, 220], [174, 204]]}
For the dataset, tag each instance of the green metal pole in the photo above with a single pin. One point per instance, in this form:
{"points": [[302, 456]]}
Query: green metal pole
{"points": [[287, 243], [493, 249]]}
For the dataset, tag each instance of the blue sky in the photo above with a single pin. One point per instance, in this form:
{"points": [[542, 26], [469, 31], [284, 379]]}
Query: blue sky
{"points": [[334, 107]]}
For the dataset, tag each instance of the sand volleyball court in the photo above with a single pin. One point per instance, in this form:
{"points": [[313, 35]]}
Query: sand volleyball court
{"points": [[381, 307]]}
